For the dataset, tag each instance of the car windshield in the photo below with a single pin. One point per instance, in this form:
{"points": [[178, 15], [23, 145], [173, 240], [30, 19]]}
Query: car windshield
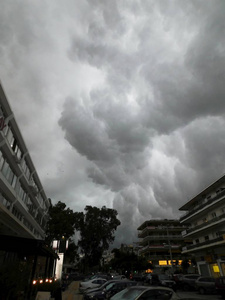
{"points": [[109, 286], [127, 294]]}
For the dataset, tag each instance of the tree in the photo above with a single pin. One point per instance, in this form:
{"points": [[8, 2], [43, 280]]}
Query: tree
{"points": [[129, 262], [71, 254], [96, 227], [61, 222]]}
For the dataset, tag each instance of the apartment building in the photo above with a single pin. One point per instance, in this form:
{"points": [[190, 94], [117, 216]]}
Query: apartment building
{"points": [[23, 202], [161, 241], [206, 215], [23, 212]]}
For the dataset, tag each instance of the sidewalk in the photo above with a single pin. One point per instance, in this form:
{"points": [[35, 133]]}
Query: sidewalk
{"points": [[72, 292]]}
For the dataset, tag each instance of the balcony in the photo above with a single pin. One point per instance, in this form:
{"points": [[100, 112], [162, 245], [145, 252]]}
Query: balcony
{"points": [[204, 225], [162, 237], [202, 205], [206, 243], [158, 247], [158, 229]]}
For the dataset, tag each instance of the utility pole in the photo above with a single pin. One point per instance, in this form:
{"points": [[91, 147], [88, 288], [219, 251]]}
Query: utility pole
{"points": [[170, 250]]}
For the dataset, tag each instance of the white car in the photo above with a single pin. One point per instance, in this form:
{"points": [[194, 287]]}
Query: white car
{"points": [[146, 292], [96, 282]]}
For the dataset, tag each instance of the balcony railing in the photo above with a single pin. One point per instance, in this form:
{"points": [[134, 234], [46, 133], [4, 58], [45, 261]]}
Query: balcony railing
{"points": [[158, 247], [203, 225], [202, 205], [220, 238], [162, 237], [159, 228]]}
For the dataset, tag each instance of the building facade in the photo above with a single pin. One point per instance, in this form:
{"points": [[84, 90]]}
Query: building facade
{"points": [[161, 241], [23, 202], [206, 215], [23, 214]]}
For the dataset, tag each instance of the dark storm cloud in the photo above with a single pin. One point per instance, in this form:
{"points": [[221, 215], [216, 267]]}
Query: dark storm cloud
{"points": [[161, 105], [137, 89]]}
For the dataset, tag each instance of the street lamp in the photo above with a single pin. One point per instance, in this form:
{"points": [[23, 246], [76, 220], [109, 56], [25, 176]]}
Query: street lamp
{"points": [[170, 248]]}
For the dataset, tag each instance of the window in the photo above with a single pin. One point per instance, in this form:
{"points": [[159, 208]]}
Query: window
{"points": [[157, 294], [9, 136], [5, 168], [213, 214], [197, 241], [5, 201], [206, 238], [1, 160]]}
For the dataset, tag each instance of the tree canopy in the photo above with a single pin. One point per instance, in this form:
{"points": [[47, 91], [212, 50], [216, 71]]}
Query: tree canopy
{"points": [[129, 261], [61, 222], [96, 227]]}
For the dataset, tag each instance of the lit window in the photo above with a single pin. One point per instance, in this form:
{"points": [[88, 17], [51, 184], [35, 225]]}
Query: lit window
{"points": [[162, 262]]}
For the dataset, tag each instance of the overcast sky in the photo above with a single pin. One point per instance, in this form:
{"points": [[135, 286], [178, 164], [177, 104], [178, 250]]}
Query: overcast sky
{"points": [[121, 103]]}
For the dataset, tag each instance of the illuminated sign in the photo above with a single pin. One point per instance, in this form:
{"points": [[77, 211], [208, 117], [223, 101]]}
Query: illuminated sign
{"points": [[162, 262], [216, 269]]}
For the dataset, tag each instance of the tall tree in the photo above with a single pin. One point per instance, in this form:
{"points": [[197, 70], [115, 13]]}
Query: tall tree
{"points": [[61, 222], [96, 227]]}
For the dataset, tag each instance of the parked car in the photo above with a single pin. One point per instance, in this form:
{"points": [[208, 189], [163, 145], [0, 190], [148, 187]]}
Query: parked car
{"points": [[138, 277], [146, 292], [188, 281], [162, 280], [111, 289], [205, 285], [119, 277], [91, 284], [220, 286], [147, 278], [88, 292], [98, 275]]}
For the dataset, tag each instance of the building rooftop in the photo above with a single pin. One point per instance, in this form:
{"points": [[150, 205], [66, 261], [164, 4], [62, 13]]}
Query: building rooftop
{"points": [[204, 192]]}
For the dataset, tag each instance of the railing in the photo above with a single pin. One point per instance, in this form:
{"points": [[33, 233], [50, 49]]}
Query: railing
{"points": [[205, 223], [159, 228], [155, 247], [203, 243], [162, 237], [202, 205]]}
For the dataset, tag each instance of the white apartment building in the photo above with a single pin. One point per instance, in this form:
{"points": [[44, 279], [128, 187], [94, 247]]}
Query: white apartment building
{"points": [[206, 215], [161, 241], [23, 202]]}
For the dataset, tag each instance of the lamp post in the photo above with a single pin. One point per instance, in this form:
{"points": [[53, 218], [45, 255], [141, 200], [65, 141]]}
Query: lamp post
{"points": [[170, 248]]}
